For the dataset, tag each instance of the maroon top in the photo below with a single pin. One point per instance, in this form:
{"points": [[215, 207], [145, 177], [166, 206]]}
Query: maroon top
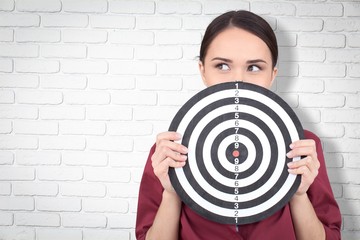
{"points": [[277, 226]]}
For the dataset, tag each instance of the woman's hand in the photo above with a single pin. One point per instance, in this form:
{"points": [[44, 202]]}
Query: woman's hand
{"points": [[168, 154], [308, 167]]}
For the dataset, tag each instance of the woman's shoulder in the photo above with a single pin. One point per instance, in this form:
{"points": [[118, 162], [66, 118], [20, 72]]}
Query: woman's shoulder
{"points": [[310, 135]]}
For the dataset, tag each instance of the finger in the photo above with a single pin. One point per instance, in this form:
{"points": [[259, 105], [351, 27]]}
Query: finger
{"points": [[302, 151], [171, 136], [162, 168], [303, 143], [308, 162], [169, 149]]}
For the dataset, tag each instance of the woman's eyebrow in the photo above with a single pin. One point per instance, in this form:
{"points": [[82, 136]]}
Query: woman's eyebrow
{"points": [[222, 59], [256, 61]]}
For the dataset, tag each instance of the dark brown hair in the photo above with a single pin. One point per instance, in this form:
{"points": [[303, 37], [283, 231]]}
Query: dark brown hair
{"points": [[245, 20]]}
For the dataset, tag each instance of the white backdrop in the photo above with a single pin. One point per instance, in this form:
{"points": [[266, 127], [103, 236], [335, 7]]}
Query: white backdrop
{"points": [[86, 85]]}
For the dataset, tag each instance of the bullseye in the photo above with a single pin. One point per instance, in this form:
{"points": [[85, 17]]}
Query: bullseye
{"points": [[236, 153], [237, 135]]}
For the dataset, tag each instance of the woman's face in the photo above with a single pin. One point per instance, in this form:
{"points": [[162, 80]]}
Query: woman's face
{"points": [[237, 55]]}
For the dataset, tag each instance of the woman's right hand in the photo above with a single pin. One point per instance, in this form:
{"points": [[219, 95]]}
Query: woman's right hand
{"points": [[168, 154]]}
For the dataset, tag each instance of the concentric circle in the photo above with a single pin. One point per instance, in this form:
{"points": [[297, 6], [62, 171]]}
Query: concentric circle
{"points": [[238, 135]]}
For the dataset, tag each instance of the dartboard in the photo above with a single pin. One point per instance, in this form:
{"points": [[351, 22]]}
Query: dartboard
{"points": [[237, 135]]}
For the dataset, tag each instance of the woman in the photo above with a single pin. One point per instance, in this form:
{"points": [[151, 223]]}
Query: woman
{"points": [[237, 46]]}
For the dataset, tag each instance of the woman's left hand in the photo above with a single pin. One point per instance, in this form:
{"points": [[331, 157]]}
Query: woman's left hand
{"points": [[307, 167]]}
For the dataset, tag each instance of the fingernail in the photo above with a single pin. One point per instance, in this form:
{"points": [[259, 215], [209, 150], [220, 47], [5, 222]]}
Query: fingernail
{"points": [[289, 164], [185, 150], [292, 146], [184, 157], [288, 154], [178, 135]]}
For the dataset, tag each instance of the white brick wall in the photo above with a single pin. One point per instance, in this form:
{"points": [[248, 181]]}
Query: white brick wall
{"points": [[86, 86]]}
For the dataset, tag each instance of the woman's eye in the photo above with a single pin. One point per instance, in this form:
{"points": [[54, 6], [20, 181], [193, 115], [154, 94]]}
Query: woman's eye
{"points": [[254, 68], [223, 67]]}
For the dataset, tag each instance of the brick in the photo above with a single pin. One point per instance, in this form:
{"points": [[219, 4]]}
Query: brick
{"points": [[341, 24], [19, 173], [5, 127], [122, 221], [353, 131], [36, 66], [85, 158], [158, 52], [345, 145], [38, 5], [85, 6], [142, 144], [130, 160], [342, 85], [5, 189], [62, 113], [65, 20], [112, 21], [37, 35], [39, 97], [59, 173], [300, 85], [105, 205], [353, 70], [353, 101], [6, 157], [107, 175], [300, 24], [337, 190], [323, 40], [352, 223], [351, 191], [62, 143], [82, 128], [111, 52], [35, 189], [134, 98], [15, 50], [7, 5], [33, 158], [87, 97], [353, 40], [17, 203], [322, 70], [19, 20], [18, 81], [7, 96], [353, 161], [178, 38], [333, 160], [352, 9], [83, 189], [308, 115], [320, 9], [322, 100], [173, 99], [84, 66], [108, 113], [178, 7], [350, 235], [137, 175], [108, 234], [58, 234], [117, 144], [343, 56], [282, 9], [63, 82], [6, 35], [290, 54], [18, 142], [18, 233], [111, 82], [134, 37], [288, 69], [84, 220], [349, 207], [190, 52], [123, 190], [129, 128], [6, 65], [18, 112], [132, 67], [84, 36], [159, 83], [37, 219], [51, 204], [6, 219], [35, 127], [178, 68], [154, 113], [158, 23], [219, 7], [63, 51], [341, 115], [127, 6]]}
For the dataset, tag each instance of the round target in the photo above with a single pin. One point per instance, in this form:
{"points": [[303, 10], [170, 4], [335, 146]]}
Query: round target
{"points": [[237, 135]]}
